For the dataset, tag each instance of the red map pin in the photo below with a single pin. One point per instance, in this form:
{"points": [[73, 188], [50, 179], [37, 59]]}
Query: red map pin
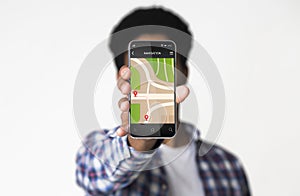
{"points": [[135, 93], [146, 117]]}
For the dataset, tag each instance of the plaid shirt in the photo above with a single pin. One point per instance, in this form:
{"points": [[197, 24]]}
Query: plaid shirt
{"points": [[114, 168]]}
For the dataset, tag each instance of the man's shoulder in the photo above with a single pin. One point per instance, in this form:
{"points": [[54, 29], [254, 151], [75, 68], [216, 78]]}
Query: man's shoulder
{"points": [[218, 157], [208, 149], [223, 167]]}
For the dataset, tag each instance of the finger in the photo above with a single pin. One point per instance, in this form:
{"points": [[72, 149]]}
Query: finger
{"points": [[123, 129], [121, 132], [124, 118], [124, 72], [124, 86], [182, 93], [124, 104]]}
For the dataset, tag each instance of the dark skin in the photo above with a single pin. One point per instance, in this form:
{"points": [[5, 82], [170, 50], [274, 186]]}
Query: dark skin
{"points": [[123, 76]]}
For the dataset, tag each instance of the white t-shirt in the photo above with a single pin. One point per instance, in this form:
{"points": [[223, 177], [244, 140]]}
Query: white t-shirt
{"points": [[182, 173]]}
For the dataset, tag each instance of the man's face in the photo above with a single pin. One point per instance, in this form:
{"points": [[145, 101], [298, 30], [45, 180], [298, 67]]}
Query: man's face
{"points": [[153, 37]]}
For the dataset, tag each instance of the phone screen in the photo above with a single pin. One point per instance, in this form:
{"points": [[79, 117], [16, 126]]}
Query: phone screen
{"points": [[152, 98]]}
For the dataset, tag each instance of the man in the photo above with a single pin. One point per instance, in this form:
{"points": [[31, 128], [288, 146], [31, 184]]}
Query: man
{"points": [[113, 163]]}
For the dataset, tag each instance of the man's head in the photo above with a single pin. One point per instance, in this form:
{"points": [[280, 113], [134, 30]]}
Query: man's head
{"points": [[152, 16]]}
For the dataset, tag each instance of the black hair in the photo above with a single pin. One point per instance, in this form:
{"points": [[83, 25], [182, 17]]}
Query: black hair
{"points": [[150, 16]]}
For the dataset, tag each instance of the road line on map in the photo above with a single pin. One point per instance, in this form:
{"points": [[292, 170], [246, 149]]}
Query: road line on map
{"points": [[165, 68], [160, 106], [148, 104], [144, 96], [157, 66]]}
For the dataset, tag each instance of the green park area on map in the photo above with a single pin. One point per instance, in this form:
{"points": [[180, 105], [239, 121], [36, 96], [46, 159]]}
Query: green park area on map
{"points": [[135, 113], [135, 79]]}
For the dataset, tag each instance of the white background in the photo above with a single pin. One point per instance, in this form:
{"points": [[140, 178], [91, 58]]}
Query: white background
{"points": [[255, 45]]}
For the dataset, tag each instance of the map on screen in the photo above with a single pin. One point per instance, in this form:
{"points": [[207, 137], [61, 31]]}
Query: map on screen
{"points": [[152, 90]]}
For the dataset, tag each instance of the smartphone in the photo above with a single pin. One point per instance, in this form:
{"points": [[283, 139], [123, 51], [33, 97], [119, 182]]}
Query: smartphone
{"points": [[152, 113]]}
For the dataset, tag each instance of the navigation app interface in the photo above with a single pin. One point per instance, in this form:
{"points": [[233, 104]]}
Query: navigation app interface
{"points": [[152, 83], [152, 98]]}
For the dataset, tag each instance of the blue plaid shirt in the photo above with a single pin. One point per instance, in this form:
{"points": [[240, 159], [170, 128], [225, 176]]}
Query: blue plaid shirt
{"points": [[106, 165]]}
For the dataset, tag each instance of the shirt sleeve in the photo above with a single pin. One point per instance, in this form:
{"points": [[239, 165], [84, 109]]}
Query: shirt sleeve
{"points": [[105, 163]]}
